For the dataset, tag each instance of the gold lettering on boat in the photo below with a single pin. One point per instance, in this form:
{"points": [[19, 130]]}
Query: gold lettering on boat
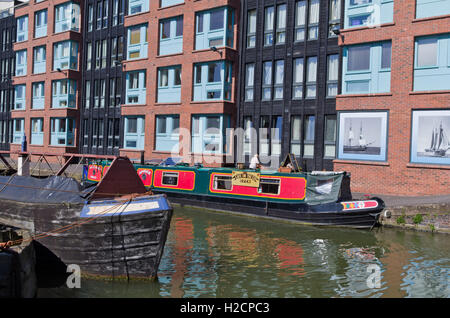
{"points": [[245, 178]]}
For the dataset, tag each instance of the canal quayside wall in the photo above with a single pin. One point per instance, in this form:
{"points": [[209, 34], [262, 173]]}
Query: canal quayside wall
{"points": [[425, 213]]}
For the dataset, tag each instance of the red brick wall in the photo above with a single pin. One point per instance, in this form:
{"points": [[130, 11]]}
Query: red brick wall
{"points": [[46, 77], [186, 108], [398, 176]]}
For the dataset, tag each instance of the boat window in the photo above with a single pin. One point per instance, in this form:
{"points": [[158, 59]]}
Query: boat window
{"points": [[222, 183], [170, 178], [269, 186]]}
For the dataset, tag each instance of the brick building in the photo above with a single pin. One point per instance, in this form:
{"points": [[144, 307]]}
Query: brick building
{"points": [[289, 81], [180, 70], [394, 105], [47, 76]]}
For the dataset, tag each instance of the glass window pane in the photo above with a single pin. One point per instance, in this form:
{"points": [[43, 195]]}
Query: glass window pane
{"points": [[358, 58], [427, 52], [386, 55]]}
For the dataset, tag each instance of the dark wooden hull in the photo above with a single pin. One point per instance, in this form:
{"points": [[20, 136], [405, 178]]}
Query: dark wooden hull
{"points": [[125, 246], [325, 214]]}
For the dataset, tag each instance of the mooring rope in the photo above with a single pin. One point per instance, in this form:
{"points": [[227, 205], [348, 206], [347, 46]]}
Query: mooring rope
{"points": [[71, 225]]}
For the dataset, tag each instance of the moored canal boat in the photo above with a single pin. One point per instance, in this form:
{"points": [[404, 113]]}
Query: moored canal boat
{"points": [[317, 198], [114, 229]]}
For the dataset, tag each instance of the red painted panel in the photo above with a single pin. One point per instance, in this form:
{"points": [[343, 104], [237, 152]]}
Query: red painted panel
{"points": [[186, 180], [95, 173], [146, 176], [291, 188]]}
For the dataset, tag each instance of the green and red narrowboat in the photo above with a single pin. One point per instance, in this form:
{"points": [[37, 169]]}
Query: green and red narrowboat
{"points": [[320, 198]]}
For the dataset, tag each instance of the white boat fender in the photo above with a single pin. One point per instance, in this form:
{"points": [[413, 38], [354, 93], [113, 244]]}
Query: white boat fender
{"points": [[387, 214]]}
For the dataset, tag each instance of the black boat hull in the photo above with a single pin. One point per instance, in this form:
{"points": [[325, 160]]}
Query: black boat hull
{"points": [[330, 214], [128, 246]]}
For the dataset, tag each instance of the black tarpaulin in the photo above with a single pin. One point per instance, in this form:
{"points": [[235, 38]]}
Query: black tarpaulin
{"points": [[53, 189]]}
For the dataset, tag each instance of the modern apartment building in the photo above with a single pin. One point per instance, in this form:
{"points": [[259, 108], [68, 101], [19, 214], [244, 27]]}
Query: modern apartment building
{"points": [[102, 77], [179, 74], [289, 66], [394, 105], [47, 76]]}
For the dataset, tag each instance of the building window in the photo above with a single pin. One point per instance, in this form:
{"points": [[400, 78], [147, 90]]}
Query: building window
{"points": [[276, 135], [334, 21], [432, 63], [22, 29], [308, 136], [212, 81], [62, 131], [279, 79], [208, 133], [89, 56], [65, 55], [19, 97], [264, 135], [296, 124], [115, 86], [105, 14], [268, 25], [167, 133], [137, 6], [297, 83], [101, 48], [40, 23], [87, 94], [171, 36], [18, 130], [113, 132], [168, 3], [116, 50], [169, 84], [117, 12], [248, 135], [427, 8], [360, 13], [300, 20], [39, 58], [21, 63], [37, 131], [330, 136], [249, 81], [38, 98], [64, 93], [99, 93], [90, 17], [134, 132], [251, 28], [332, 75], [267, 81], [366, 68], [67, 17], [311, 77], [214, 28], [281, 24], [136, 88], [313, 24], [137, 42]]}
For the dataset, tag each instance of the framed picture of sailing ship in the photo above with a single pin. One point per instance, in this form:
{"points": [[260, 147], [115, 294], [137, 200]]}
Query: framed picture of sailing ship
{"points": [[363, 135], [430, 137]]}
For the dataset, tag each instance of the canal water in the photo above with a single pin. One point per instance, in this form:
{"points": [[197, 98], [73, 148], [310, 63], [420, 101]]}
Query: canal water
{"points": [[212, 254]]}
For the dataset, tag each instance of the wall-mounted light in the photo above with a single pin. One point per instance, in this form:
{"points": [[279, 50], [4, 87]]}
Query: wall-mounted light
{"points": [[214, 49], [336, 29]]}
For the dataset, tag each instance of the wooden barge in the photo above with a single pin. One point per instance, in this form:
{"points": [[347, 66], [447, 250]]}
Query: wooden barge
{"points": [[113, 229], [312, 198]]}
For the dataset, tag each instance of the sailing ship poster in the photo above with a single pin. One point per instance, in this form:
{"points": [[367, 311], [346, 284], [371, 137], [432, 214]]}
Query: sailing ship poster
{"points": [[430, 140], [362, 136]]}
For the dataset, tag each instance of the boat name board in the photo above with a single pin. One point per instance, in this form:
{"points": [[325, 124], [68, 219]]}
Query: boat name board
{"points": [[245, 178], [357, 205]]}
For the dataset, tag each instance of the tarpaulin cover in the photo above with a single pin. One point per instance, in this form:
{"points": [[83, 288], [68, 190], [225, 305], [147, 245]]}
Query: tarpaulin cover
{"points": [[53, 189], [323, 187]]}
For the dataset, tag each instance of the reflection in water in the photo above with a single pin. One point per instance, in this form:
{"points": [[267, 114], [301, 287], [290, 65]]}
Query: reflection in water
{"points": [[220, 255]]}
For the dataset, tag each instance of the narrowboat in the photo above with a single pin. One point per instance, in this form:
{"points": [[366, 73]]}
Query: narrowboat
{"points": [[115, 229], [317, 198]]}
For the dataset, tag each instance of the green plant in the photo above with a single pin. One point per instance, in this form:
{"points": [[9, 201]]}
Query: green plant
{"points": [[401, 219], [418, 218], [432, 228]]}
